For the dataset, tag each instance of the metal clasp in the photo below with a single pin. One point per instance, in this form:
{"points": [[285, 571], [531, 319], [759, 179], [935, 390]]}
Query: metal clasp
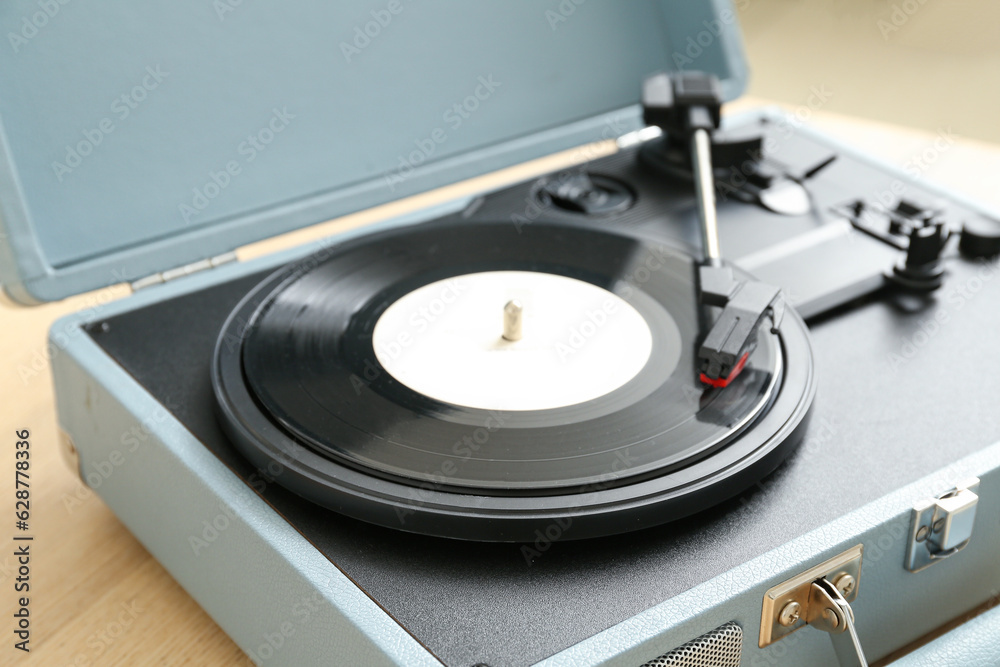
{"points": [[942, 526], [819, 597], [831, 613]]}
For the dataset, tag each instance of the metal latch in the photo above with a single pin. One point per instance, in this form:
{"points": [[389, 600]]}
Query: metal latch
{"points": [[819, 597], [942, 526], [830, 612]]}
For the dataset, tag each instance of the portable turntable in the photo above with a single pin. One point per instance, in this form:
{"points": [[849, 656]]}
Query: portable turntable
{"points": [[649, 408]]}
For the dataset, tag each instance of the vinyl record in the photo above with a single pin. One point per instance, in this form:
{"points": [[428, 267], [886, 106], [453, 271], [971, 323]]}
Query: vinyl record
{"points": [[373, 379]]}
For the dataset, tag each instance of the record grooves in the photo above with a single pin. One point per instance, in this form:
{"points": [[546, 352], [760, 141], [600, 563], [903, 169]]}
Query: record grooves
{"points": [[300, 388]]}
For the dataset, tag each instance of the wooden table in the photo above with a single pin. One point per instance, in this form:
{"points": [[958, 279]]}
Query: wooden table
{"points": [[97, 597]]}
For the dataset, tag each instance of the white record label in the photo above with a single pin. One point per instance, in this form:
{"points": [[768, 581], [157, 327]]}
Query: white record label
{"points": [[577, 341]]}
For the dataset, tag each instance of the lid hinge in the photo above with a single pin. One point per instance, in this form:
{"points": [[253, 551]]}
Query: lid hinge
{"points": [[181, 271]]}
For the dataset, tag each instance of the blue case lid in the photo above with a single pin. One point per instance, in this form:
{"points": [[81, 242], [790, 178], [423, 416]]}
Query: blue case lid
{"points": [[137, 137]]}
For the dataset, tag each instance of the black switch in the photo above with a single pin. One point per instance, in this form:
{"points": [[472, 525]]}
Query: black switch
{"points": [[908, 209], [582, 193]]}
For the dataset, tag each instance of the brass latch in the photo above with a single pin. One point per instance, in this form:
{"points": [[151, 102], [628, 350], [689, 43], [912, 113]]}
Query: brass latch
{"points": [[819, 597]]}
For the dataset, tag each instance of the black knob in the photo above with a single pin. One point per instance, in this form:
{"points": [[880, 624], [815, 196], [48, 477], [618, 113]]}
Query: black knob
{"points": [[980, 238], [923, 269], [591, 195], [926, 244]]}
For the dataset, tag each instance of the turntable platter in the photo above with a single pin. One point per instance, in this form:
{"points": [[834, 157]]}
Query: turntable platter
{"points": [[326, 373]]}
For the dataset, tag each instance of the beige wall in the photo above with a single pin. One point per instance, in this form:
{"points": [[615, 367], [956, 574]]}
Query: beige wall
{"points": [[930, 64]]}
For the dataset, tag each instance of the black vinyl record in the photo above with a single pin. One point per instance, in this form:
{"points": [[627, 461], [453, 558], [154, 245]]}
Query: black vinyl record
{"points": [[303, 394]]}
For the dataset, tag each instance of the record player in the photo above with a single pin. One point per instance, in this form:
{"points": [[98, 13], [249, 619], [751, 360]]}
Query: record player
{"points": [[723, 396]]}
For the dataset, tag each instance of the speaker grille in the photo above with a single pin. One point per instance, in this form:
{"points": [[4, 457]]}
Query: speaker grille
{"points": [[722, 647]]}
